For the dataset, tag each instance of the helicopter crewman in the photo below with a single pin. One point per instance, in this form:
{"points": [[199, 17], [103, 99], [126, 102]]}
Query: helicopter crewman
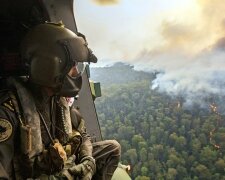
{"points": [[41, 135]]}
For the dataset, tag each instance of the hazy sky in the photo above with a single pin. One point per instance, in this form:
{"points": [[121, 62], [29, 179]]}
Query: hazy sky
{"points": [[184, 39], [122, 29]]}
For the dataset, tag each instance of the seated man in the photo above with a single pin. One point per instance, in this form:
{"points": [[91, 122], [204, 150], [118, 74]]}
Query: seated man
{"points": [[41, 136]]}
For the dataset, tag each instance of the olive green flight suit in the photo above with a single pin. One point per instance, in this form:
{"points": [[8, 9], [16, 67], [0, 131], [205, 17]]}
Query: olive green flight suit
{"points": [[17, 165]]}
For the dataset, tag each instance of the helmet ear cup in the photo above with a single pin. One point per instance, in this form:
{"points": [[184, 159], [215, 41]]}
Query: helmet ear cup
{"points": [[46, 70]]}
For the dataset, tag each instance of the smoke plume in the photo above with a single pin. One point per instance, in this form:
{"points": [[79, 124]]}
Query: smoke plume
{"points": [[184, 45], [191, 62], [196, 78]]}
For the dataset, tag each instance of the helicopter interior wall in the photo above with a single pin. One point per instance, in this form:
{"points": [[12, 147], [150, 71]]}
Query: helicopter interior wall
{"points": [[16, 18]]}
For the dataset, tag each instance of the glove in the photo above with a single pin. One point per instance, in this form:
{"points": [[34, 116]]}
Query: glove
{"points": [[85, 170], [65, 174], [58, 155], [51, 160]]}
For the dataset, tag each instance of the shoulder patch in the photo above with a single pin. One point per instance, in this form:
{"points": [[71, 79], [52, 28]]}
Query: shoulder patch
{"points": [[8, 104], [5, 129]]}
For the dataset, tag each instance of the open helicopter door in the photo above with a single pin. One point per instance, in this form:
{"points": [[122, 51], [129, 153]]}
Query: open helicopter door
{"points": [[59, 10]]}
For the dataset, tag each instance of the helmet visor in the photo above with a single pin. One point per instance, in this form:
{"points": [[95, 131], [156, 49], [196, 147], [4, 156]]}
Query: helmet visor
{"points": [[73, 80], [77, 70]]}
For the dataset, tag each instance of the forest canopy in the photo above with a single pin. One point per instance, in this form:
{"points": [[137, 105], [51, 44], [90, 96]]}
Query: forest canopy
{"points": [[160, 138]]}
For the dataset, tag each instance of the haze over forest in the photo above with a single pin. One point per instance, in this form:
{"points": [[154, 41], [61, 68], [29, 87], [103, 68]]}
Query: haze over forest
{"points": [[182, 40], [163, 135]]}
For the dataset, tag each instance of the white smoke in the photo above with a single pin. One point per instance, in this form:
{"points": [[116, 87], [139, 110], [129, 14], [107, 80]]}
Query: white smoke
{"points": [[194, 78], [191, 63], [184, 50]]}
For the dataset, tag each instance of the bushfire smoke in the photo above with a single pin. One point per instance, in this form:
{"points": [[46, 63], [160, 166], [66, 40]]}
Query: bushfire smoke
{"points": [[191, 62], [182, 40], [194, 78]]}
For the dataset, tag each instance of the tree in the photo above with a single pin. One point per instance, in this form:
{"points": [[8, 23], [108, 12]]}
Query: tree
{"points": [[202, 172], [136, 139], [143, 155], [171, 174], [208, 156], [195, 145], [158, 151], [132, 155], [173, 138], [142, 178], [220, 165], [144, 171], [124, 145], [142, 144], [180, 143], [181, 172], [172, 161], [126, 132]]}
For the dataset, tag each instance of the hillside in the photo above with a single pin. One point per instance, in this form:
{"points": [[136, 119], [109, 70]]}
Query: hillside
{"points": [[119, 73], [159, 138]]}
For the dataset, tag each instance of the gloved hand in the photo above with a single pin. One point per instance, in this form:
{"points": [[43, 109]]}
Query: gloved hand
{"points": [[58, 155], [51, 160], [85, 170], [65, 174]]}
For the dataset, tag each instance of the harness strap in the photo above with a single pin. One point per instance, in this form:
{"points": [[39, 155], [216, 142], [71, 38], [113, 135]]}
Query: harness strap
{"points": [[30, 132]]}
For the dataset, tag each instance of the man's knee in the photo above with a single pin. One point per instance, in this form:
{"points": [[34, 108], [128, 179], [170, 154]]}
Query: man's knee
{"points": [[116, 147], [107, 147]]}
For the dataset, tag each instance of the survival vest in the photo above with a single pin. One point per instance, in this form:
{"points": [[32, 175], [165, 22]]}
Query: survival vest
{"points": [[30, 122]]}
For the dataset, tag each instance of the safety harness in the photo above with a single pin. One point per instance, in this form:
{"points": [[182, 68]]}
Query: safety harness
{"points": [[31, 145]]}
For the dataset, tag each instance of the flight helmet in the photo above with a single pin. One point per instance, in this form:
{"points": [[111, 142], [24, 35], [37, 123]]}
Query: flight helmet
{"points": [[49, 51]]}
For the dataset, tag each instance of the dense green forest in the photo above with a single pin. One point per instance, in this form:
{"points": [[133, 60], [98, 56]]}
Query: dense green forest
{"points": [[159, 138]]}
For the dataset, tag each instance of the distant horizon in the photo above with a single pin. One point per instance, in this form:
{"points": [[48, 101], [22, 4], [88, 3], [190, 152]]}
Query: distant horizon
{"points": [[184, 40]]}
